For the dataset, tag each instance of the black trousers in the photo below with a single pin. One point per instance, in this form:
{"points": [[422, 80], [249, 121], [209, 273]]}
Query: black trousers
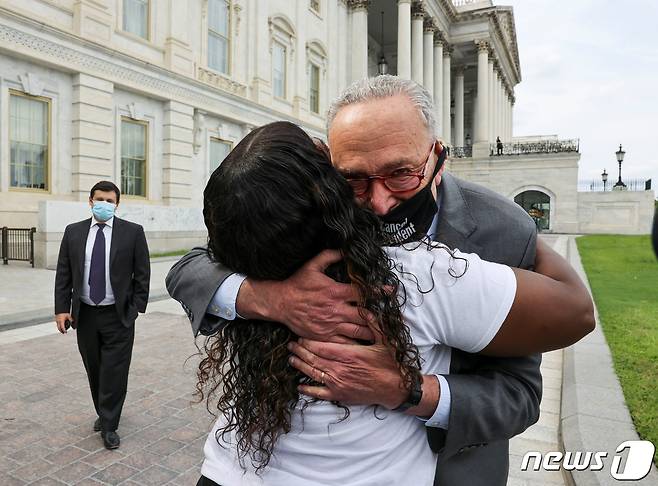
{"points": [[106, 346], [204, 481]]}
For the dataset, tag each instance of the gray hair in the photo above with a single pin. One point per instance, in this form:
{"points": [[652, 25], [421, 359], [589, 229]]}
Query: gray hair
{"points": [[386, 86]]}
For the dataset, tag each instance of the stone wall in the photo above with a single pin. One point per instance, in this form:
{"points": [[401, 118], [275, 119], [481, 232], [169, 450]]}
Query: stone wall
{"points": [[618, 212], [556, 175], [166, 228]]}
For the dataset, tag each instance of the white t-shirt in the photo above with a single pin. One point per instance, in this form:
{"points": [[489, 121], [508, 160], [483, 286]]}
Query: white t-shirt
{"points": [[442, 312]]}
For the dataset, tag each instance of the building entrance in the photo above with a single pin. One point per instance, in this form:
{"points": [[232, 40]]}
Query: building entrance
{"points": [[538, 205]]}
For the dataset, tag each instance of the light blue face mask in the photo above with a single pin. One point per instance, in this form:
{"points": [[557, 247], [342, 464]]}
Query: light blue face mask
{"points": [[103, 210]]}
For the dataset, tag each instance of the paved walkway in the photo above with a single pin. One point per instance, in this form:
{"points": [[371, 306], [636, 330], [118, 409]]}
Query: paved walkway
{"points": [[46, 414], [543, 436]]}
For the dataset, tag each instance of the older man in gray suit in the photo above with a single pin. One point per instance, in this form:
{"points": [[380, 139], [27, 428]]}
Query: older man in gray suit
{"points": [[380, 133]]}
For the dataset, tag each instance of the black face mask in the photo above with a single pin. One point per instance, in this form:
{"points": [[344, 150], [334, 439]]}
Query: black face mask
{"points": [[411, 219]]}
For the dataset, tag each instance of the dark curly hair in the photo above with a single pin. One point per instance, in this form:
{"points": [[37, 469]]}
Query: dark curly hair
{"points": [[274, 203]]}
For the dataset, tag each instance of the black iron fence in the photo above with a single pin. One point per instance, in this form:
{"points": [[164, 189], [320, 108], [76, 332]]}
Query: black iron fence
{"points": [[631, 185], [17, 244], [536, 147], [461, 152]]}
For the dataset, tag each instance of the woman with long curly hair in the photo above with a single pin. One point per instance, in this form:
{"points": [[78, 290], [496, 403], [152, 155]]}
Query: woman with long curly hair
{"points": [[273, 204]]}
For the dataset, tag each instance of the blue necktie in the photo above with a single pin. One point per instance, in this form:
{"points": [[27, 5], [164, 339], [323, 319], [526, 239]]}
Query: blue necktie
{"points": [[97, 268]]}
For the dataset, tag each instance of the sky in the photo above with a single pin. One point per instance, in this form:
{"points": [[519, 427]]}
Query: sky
{"points": [[589, 70]]}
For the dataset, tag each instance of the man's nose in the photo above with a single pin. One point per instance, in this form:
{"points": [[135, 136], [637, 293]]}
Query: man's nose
{"points": [[380, 198]]}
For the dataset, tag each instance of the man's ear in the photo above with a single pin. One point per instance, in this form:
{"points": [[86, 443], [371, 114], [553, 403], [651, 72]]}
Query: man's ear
{"points": [[91, 203]]}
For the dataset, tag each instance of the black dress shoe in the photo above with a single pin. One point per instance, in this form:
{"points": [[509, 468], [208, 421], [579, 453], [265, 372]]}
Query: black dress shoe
{"points": [[110, 439], [97, 425]]}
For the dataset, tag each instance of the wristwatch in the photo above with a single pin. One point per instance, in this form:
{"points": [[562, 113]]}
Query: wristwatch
{"points": [[415, 395]]}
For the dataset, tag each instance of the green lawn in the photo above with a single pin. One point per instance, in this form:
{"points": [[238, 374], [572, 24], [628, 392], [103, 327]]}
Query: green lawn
{"points": [[623, 274], [169, 253]]}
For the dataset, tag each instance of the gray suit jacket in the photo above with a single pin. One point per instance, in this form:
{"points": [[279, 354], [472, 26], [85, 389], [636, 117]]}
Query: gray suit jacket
{"points": [[493, 399]]}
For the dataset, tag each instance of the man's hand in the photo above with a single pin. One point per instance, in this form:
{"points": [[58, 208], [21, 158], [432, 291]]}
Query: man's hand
{"points": [[352, 374], [60, 320], [309, 302]]}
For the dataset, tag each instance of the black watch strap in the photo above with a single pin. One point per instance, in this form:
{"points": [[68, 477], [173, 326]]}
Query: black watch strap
{"points": [[414, 397]]}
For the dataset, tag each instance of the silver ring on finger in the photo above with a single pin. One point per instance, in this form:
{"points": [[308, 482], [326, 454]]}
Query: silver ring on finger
{"points": [[322, 377]]}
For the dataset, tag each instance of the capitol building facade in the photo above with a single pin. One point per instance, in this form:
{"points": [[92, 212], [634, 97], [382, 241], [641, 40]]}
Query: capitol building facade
{"points": [[152, 94]]}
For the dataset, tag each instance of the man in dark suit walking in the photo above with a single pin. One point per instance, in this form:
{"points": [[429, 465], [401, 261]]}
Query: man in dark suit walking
{"points": [[102, 282]]}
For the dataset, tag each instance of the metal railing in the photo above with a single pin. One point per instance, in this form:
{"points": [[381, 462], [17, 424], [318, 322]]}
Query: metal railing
{"points": [[463, 3], [461, 152], [598, 186], [537, 147], [17, 244]]}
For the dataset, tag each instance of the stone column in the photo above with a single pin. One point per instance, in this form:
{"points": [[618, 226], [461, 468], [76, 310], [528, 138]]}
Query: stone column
{"points": [[497, 104], [511, 117], [404, 39], [492, 98], [447, 130], [501, 107], [428, 56], [459, 107], [341, 60], [92, 134], [438, 83], [417, 20], [482, 122], [177, 152], [359, 39]]}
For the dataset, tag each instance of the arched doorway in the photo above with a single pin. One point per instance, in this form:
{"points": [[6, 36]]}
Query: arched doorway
{"points": [[538, 205]]}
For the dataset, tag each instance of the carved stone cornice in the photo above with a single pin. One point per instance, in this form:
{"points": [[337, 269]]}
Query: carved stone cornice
{"points": [[505, 33], [112, 71], [357, 5]]}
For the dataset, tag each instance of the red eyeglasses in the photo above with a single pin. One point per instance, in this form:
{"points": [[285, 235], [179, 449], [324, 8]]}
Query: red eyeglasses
{"points": [[400, 182]]}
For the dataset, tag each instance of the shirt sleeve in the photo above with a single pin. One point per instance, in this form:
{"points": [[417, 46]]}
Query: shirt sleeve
{"points": [[456, 299], [441, 416], [222, 303]]}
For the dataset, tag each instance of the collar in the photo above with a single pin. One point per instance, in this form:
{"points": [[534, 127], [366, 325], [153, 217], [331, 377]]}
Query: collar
{"points": [[109, 222]]}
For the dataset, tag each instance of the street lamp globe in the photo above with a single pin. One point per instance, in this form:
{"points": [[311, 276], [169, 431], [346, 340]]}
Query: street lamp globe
{"points": [[604, 178], [620, 154]]}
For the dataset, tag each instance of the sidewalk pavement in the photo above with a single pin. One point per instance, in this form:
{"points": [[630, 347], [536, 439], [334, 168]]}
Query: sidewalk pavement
{"points": [[27, 294]]}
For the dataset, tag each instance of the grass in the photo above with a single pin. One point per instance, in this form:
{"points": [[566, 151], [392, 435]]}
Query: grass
{"points": [[623, 275], [169, 253]]}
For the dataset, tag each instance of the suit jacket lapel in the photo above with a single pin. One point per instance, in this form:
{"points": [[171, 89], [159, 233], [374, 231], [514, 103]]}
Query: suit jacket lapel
{"points": [[82, 234], [114, 244], [456, 223]]}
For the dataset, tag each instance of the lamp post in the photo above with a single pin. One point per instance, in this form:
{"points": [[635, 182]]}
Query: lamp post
{"points": [[619, 186], [604, 178], [382, 65]]}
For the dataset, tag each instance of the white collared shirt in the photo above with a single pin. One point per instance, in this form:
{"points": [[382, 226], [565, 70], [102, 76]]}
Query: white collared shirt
{"points": [[91, 238]]}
